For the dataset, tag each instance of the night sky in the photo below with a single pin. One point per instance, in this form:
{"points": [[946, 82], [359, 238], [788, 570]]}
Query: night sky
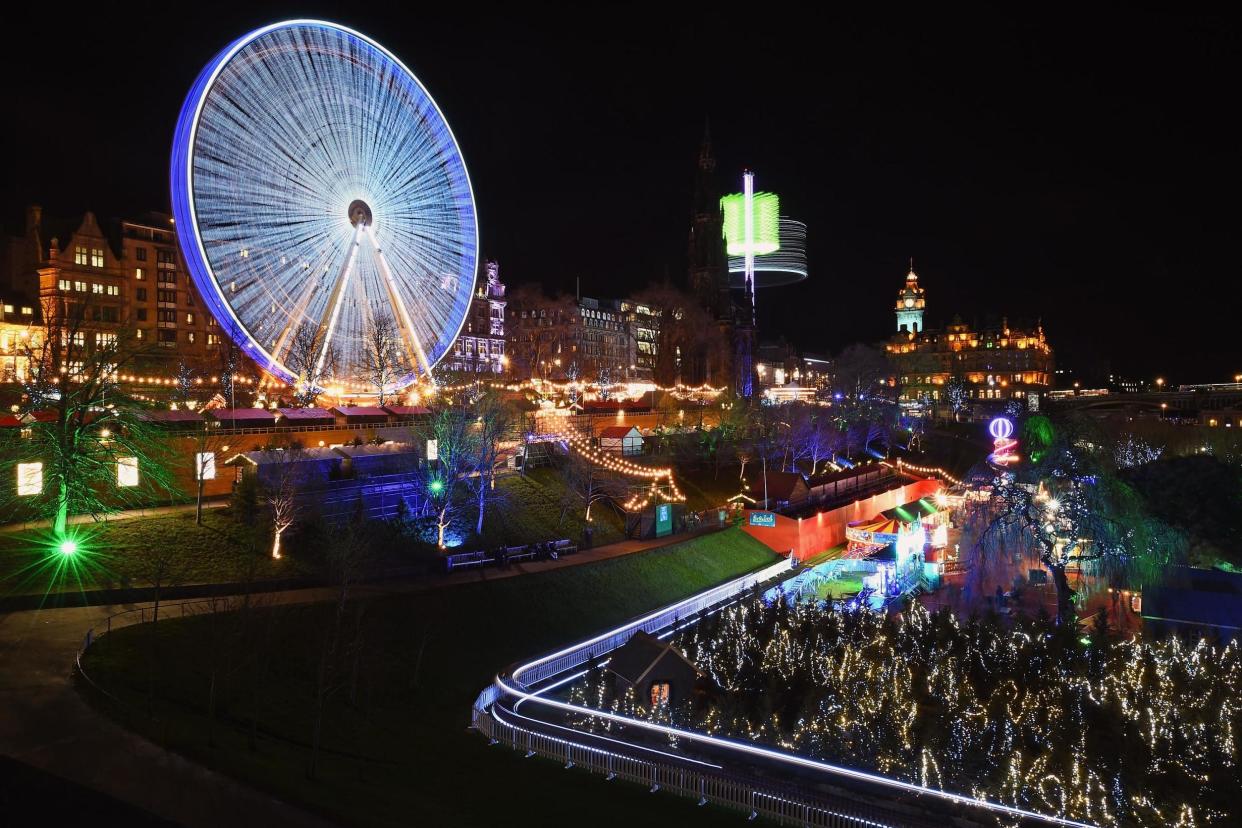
{"points": [[1080, 170]]}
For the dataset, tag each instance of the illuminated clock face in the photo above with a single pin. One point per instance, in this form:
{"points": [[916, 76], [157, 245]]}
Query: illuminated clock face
{"points": [[909, 303]]}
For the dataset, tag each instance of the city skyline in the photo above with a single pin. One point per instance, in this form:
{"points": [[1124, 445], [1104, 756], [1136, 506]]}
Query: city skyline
{"points": [[1003, 214]]}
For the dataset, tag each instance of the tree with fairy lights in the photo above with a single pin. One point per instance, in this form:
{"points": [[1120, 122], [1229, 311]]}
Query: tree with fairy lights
{"points": [[85, 445], [1065, 501]]}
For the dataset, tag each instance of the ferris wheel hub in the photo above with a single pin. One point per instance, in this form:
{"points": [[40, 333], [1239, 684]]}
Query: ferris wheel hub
{"points": [[360, 213]]}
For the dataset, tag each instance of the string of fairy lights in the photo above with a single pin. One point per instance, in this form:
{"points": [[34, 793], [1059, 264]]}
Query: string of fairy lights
{"points": [[902, 465], [1097, 729], [660, 478]]}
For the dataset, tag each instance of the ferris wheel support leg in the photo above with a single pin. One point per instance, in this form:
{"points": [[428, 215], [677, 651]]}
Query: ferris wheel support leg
{"points": [[332, 310], [413, 347]]}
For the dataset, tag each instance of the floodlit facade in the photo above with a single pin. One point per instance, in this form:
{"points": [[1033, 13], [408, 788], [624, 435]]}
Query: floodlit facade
{"points": [[989, 364]]}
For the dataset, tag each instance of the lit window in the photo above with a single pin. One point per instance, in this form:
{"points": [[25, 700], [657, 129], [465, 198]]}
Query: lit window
{"points": [[27, 311], [189, 319], [65, 284], [138, 334], [79, 339], [96, 287], [659, 693], [138, 274], [80, 287], [97, 257], [189, 337], [205, 465], [79, 255], [114, 290], [29, 479], [127, 471]]}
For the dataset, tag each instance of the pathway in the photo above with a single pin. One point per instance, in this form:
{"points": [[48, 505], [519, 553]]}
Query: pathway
{"points": [[45, 723], [124, 514]]}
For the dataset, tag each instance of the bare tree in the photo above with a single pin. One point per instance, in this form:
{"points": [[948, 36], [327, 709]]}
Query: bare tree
{"points": [[496, 421], [282, 472], [382, 362], [311, 361]]}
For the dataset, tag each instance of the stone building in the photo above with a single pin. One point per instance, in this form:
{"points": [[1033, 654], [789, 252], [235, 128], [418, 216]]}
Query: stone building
{"points": [[980, 365], [129, 275], [480, 346], [585, 339]]}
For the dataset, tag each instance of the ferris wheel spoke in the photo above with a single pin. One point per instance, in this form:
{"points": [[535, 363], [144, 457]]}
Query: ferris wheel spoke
{"points": [[409, 337], [332, 309]]}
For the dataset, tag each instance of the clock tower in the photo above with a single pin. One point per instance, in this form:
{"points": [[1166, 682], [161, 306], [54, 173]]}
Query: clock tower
{"points": [[910, 304]]}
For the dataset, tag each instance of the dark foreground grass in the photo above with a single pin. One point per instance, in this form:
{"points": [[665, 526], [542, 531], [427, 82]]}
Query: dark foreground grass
{"points": [[135, 552], [399, 752]]}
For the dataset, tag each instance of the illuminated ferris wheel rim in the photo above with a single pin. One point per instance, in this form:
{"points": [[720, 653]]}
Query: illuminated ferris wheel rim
{"points": [[185, 210]]}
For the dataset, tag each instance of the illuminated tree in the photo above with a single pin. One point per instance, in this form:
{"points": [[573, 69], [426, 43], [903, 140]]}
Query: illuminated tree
{"points": [[1066, 502], [85, 446], [496, 422], [283, 474], [456, 439]]}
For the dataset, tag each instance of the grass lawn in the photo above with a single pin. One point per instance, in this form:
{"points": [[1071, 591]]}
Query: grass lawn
{"points": [[128, 553], [704, 489], [839, 588], [530, 510], [401, 753]]}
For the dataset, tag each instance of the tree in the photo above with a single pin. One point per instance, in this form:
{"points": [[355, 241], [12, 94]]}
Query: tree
{"points": [[311, 362], [382, 362], [282, 472], [455, 439], [495, 421], [543, 333], [691, 347], [86, 446], [347, 557], [587, 484], [1071, 507]]}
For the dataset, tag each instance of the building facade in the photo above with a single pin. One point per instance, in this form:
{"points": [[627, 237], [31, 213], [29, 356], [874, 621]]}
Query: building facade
{"points": [[931, 367], [128, 277], [480, 346], [20, 336], [586, 339]]}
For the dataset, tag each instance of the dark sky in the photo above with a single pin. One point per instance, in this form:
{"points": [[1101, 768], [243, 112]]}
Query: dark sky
{"points": [[1080, 169]]}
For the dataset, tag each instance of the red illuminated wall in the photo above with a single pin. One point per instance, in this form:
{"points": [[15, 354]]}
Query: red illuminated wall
{"points": [[807, 536]]}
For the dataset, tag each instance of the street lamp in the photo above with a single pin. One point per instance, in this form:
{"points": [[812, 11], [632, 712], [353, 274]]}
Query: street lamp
{"points": [[1160, 383]]}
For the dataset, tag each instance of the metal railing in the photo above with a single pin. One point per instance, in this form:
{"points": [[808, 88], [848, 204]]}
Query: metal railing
{"points": [[783, 804], [761, 797], [559, 662]]}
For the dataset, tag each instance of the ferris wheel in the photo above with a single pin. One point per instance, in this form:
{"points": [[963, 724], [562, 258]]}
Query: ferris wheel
{"points": [[319, 196]]}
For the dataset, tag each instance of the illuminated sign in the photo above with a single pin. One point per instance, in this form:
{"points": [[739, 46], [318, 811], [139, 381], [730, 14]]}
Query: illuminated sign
{"points": [[1003, 444], [767, 519]]}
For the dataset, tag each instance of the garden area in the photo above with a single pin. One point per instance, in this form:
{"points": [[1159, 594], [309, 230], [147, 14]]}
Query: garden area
{"points": [[173, 550], [1090, 727], [358, 709]]}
